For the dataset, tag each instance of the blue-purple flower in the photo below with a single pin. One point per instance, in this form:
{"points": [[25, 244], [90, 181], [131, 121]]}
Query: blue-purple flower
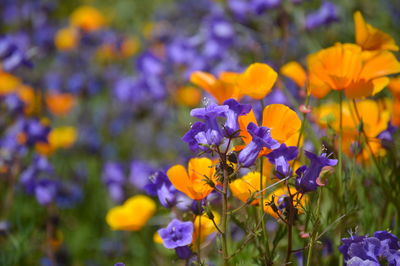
{"points": [[325, 15], [231, 127], [364, 250], [280, 158], [306, 180], [207, 133], [261, 137], [177, 234]]}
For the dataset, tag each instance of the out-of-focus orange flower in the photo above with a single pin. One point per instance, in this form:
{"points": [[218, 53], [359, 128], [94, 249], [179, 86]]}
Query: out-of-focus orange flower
{"points": [[129, 47], [346, 67], [60, 137], [66, 39], [371, 38], [243, 188], [206, 227], [132, 215], [60, 103], [188, 96], [295, 72], [280, 119], [87, 18], [277, 196], [256, 81], [8, 83], [192, 182], [375, 116], [221, 88], [394, 86]]}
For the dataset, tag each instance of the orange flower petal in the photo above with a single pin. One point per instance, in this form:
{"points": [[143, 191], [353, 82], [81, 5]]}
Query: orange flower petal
{"points": [[257, 80], [295, 72]]}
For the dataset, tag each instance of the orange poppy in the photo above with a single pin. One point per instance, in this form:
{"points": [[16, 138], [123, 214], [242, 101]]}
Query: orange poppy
{"points": [[193, 182]]}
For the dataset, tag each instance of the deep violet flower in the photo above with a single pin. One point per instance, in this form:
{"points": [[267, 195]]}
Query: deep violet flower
{"points": [[280, 158], [177, 234], [261, 137]]}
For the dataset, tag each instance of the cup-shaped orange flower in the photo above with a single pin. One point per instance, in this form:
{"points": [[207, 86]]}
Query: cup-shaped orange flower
{"points": [[277, 196], [256, 81], [221, 88], [204, 226], [87, 18], [243, 188], [60, 103], [375, 116], [295, 72], [283, 122], [66, 39], [371, 38], [132, 215], [193, 181], [347, 67], [394, 86]]}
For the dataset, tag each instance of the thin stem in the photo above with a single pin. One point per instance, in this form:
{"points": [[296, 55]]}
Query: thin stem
{"points": [[314, 233], [224, 219], [198, 236], [340, 159]]}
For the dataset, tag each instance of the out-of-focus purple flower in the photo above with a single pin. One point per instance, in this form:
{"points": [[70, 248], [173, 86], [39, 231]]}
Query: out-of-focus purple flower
{"points": [[260, 6], [280, 158], [177, 234], [239, 8], [181, 51], [14, 103], [325, 15], [45, 191], [208, 133], [261, 137], [221, 30], [149, 64], [140, 172], [119, 264], [363, 250], [306, 180], [11, 55], [35, 131], [114, 178], [68, 195], [231, 127], [386, 136]]}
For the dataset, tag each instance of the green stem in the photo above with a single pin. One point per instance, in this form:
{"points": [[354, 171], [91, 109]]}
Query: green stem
{"points": [[315, 229], [340, 147], [224, 219], [199, 236]]}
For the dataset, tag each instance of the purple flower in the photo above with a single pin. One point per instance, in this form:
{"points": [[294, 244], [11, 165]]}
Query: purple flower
{"points": [[177, 234], [235, 109], [161, 187], [139, 173], [208, 133], [149, 64], [325, 15], [45, 191], [261, 137], [363, 250], [114, 178], [221, 30], [280, 158], [306, 180], [183, 252], [260, 6]]}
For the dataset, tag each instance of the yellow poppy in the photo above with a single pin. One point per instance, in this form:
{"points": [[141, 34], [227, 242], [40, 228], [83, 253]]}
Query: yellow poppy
{"points": [[87, 18], [192, 182], [60, 103], [256, 81], [188, 96], [299, 201], [207, 227], [394, 86], [243, 188], [295, 72], [346, 67], [8, 83], [222, 88], [132, 215], [283, 122], [66, 39], [371, 38]]}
